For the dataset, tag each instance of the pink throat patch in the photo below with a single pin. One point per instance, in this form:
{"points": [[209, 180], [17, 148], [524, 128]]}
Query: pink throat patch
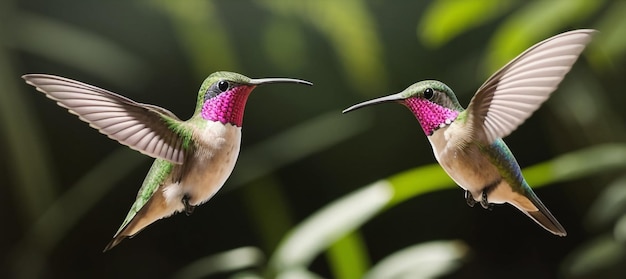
{"points": [[430, 115], [227, 107]]}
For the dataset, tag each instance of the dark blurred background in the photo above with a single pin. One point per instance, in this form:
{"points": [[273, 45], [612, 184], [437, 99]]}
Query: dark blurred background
{"points": [[68, 188]]}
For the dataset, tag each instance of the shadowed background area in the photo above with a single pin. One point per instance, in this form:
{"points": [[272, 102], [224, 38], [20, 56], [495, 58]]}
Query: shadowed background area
{"points": [[315, 193]]}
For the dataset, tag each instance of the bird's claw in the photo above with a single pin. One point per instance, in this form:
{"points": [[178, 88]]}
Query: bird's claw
{"points": [[484, 202], [469, 198], [188, 207]]}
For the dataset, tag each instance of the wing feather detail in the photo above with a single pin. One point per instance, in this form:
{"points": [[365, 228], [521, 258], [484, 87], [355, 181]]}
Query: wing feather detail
{"points": [[145, 128], [517, 90]]}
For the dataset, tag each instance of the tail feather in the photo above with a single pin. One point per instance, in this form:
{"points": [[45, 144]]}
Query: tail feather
{"points": [[114, 242], [547, 221], [155, 209], [542, 215]]}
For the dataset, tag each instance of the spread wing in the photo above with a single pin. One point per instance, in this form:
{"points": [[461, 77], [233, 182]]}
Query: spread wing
{"points": [[515, 91], [145, 128]]}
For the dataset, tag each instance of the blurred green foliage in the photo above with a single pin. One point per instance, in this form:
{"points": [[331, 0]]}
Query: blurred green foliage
{"points": [[295, 206]]}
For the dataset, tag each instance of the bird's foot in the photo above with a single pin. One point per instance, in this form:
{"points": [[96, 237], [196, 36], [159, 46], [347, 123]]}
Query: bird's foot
{"points": [[469, 198], [484, 202], [188, 207]]}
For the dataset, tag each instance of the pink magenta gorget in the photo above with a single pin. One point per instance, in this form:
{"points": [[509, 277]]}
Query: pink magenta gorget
{"points": [[227, 107], [431, 116]]}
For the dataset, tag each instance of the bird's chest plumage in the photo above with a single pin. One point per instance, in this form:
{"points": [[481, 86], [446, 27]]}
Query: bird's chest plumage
{"points": [[463, 161], [216, 151]]}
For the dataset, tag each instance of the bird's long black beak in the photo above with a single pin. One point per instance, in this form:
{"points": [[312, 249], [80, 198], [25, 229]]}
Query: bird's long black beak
{"points": [[390, 98], [259, 81]]}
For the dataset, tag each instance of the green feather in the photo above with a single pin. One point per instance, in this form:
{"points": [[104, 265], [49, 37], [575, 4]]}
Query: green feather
{"points": [[160, 170]]}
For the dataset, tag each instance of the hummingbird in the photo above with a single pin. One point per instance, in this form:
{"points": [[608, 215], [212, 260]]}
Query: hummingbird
{"points": [[193, 158], [468, 143]]}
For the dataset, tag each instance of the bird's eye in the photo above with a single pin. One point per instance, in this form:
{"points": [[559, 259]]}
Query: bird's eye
{"points": [[429, 93], [222, 85]]}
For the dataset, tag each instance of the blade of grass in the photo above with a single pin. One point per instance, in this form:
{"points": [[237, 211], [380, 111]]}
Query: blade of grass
{"points": [[533, 22], [89, 52], [577, 164], [222, 263], [348, 257], [322, 229], [425, 260], [353, 37], [69, 208], [311, 237], [201, 33], [445, 19], [268, 209], [36, 184]]}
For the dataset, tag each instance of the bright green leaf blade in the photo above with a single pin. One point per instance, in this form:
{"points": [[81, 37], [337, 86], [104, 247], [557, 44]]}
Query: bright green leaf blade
{"points": [[348, 257], [268, 208], [417, 181], [577, 164], [446, 19], [536, 21], [264, 201], [426, 260], [307, 240], [297, 273], [225, 262], [314, 235]]}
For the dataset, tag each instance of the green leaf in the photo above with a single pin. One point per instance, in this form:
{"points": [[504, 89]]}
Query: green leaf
{"points": [[285, 45], [348, 257], [74, 203], [425, 260], [577, 164], [225, 262], [350, 29], [315, 234], [536, 21], [318, 232], [193, 21], [297, 273], [268, 208], [620, 229], [446, 19], [610, 205], [68, 209], [417, 181], [610, 44], [595, 256], [26, 148], [69, 45]]}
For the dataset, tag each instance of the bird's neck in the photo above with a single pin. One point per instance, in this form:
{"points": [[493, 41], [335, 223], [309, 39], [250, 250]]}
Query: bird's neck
{"points": [[227, 107], [431, 116]]}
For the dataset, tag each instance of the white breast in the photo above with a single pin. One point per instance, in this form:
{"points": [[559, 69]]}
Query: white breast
{"points": [[462, 161], [216, 153]]}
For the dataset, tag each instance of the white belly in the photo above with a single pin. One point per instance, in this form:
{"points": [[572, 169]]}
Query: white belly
{"points": [[464, 163], [210, 166]]}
